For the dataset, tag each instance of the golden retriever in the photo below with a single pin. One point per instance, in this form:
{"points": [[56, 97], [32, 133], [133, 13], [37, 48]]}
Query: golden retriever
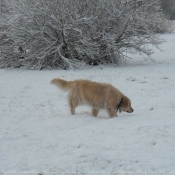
{"points": [[97, 95]]}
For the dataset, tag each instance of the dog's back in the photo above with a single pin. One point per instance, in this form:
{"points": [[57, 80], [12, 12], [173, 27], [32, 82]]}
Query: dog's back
{"points": [[93, 93]]}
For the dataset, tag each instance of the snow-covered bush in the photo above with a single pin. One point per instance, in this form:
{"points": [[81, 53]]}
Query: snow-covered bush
{"points": [[71, 33]]}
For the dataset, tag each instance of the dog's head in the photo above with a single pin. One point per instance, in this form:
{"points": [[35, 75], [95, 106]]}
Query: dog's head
{"points": [[125, 105]]}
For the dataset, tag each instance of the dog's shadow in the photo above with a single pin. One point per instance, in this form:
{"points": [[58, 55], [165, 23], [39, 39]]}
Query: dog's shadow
{"points": [[101, 115], [86, 113]]}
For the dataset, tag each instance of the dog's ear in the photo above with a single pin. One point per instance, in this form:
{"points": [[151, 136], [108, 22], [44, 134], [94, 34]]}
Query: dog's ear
{"points": [[125, 101], [126, 105]]}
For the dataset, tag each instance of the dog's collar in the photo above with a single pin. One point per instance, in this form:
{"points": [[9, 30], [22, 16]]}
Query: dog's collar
{"points": [[120, 104]]}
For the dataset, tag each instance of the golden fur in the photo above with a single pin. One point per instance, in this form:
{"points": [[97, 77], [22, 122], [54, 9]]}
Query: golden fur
{"points": [[97, 95]]}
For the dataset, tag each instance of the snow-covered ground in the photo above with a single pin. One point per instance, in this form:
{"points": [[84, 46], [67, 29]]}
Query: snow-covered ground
{"points": [[39, 136]]}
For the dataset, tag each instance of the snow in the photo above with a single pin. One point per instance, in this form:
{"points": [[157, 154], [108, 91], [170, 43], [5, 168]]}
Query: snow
{"points": [[39, 136]]}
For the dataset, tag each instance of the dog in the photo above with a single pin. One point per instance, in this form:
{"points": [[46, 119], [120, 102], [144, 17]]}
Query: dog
{"points": [[97, 95]]}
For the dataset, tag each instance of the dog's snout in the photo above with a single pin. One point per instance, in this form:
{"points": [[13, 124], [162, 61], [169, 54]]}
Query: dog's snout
{"points": [[130, 111]]}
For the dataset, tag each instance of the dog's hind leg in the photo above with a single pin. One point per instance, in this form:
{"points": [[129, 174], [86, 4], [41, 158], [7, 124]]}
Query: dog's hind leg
{"points": [[73, 102], [95, 112]]}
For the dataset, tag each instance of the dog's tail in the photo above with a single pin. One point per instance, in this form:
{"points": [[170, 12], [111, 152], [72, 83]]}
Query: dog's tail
{"points": [[62, 84]]}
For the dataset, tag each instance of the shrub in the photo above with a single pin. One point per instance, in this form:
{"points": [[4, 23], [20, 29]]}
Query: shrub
{"points": [[72, 33]]}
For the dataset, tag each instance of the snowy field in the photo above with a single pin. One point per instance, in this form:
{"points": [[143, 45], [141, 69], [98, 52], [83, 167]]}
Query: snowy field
{"points": [[38, 135]]}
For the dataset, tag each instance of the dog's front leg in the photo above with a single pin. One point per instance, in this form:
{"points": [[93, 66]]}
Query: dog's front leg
{"points": [[111, 111], [95, 112]]}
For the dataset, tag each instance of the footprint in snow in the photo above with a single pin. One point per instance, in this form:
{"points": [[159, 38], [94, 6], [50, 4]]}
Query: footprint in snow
{"points": [[131, 79], [165, 78]]}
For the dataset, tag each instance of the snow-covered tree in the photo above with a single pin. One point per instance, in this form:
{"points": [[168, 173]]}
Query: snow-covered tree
{"points": [[71, 33]]}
